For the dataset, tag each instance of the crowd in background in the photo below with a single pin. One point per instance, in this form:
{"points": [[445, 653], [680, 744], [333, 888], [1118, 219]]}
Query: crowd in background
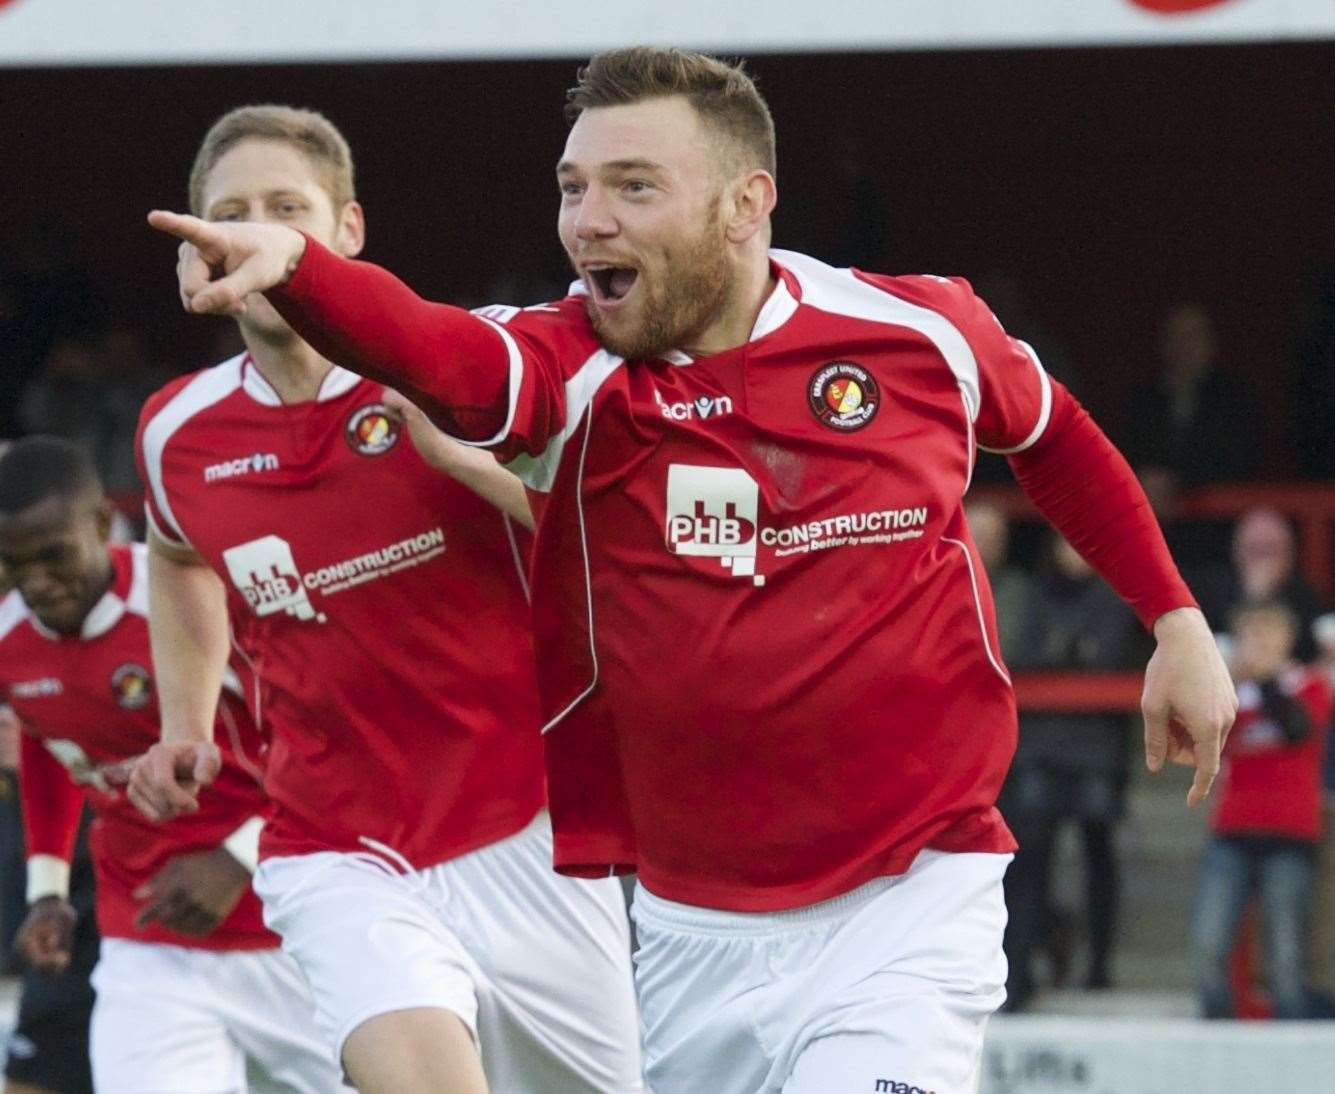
{"points": [[71, 368]]}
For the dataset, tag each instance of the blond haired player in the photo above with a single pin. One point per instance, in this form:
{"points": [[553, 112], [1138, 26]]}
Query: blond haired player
{"points": [[407, 862]]}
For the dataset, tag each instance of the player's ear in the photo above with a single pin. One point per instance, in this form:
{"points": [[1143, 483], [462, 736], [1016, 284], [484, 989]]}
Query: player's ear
{"points": [[754, 196], [351, 236], [105, 515]]}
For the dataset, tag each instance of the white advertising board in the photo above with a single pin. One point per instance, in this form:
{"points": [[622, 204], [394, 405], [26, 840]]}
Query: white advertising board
{"points": [[1051, 1055], [97, 32]]}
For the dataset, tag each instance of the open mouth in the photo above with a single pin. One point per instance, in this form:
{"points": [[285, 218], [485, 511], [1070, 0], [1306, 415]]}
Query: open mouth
{"points": [[610, 284]]}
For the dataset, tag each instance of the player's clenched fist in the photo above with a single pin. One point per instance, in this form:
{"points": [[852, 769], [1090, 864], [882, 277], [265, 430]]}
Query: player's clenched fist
{"points": [[221, 264], [46, 937], [166, 780]]}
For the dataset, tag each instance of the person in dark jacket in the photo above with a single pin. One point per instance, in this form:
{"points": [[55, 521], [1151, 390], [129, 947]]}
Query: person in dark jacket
{"points": [[1068, 767], [1193, 421]]}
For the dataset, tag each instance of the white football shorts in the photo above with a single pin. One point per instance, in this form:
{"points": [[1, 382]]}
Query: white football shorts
{"points": [[537, 965], [888, 987], [177, 1020]]}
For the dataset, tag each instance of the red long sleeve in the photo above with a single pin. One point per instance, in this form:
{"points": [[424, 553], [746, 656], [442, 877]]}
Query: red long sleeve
{"points": [[50, 801], [451, 363], [1084, 487]]}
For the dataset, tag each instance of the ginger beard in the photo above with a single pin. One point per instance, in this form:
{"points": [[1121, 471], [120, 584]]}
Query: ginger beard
{"points": [[678, 300]]}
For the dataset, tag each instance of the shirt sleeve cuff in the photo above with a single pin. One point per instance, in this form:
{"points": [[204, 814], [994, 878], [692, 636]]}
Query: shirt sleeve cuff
{"points": [[48, 875], [244, 844]]}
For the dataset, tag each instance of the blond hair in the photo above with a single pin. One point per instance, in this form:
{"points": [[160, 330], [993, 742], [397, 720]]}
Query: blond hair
{"points": [[723, 95], [309, 132]]}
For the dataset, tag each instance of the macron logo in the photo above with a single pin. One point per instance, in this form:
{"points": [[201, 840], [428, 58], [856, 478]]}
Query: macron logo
{"points": [[704, 407], [245, 465], [44, 688]]}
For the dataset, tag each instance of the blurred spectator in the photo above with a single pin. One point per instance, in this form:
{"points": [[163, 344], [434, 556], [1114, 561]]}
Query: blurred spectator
{"points": [[1323, 927], [1267, 816], [992, 536], [1313, 419], [1067, 767], [1193, 422], [90, 391], [43, 299], [1264, 567]]}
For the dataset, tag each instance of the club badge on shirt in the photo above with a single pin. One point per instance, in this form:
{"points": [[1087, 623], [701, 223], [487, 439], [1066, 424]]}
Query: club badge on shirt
{"points": [[843, 395], [131, 685], [371, 431]]}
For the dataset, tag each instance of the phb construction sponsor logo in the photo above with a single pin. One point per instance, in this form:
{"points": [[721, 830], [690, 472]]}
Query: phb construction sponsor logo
{"points": [[266, 574], [714, 512]]}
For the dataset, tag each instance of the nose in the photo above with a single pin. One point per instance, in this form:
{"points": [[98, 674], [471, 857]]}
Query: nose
{"points": [[37, 583], [594, 219], [255, 213]]}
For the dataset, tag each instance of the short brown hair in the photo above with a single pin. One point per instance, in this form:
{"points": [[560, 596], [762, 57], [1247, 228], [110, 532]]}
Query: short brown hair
{"points": [[723, 94], [305, 130]]}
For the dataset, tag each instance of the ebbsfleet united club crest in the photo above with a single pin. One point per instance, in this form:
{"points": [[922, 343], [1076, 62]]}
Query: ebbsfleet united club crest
{"points": [[131, 685], [843, 395], [372, 431]]}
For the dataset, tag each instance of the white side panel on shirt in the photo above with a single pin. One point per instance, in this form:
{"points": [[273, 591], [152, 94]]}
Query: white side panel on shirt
{"points": [[209, 387], [538, 473]]}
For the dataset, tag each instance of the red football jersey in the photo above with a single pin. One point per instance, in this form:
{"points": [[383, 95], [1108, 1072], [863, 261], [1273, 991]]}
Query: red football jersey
{"points": [[1268, 785], [87, 701], [769, 664], [381, 605]]}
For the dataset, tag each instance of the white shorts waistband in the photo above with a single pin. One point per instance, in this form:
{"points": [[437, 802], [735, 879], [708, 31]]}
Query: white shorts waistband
{"points": [[693, 919]]}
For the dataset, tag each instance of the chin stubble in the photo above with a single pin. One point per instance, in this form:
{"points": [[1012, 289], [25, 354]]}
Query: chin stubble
{"points": [[672, 317]]}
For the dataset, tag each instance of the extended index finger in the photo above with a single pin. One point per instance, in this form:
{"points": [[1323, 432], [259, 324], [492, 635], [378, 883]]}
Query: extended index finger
{"points": [[1206, 748], [201, 233]]}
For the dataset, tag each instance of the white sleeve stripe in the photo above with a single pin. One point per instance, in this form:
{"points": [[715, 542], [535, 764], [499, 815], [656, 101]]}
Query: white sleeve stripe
{"points": [[1044, 408], [970, 443], [157, 529], [515, 380], [48, 875]]}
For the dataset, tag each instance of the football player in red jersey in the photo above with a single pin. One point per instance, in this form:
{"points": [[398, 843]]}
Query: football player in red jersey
{"points": [[768, 657], [407, 860], [190, 985]]}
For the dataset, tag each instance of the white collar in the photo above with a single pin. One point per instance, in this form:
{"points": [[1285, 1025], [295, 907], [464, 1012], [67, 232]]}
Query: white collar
{"points": [[106, 613], [777, 310], [337, 381]]}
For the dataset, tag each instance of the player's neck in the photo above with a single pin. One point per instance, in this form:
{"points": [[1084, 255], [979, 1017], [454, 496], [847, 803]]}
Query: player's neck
{"points": [[98, 587], [292, 367], [751, 289]]}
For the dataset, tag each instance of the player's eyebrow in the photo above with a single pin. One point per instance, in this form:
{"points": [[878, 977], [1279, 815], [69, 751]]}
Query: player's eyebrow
{"points": [[566, 167]]}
